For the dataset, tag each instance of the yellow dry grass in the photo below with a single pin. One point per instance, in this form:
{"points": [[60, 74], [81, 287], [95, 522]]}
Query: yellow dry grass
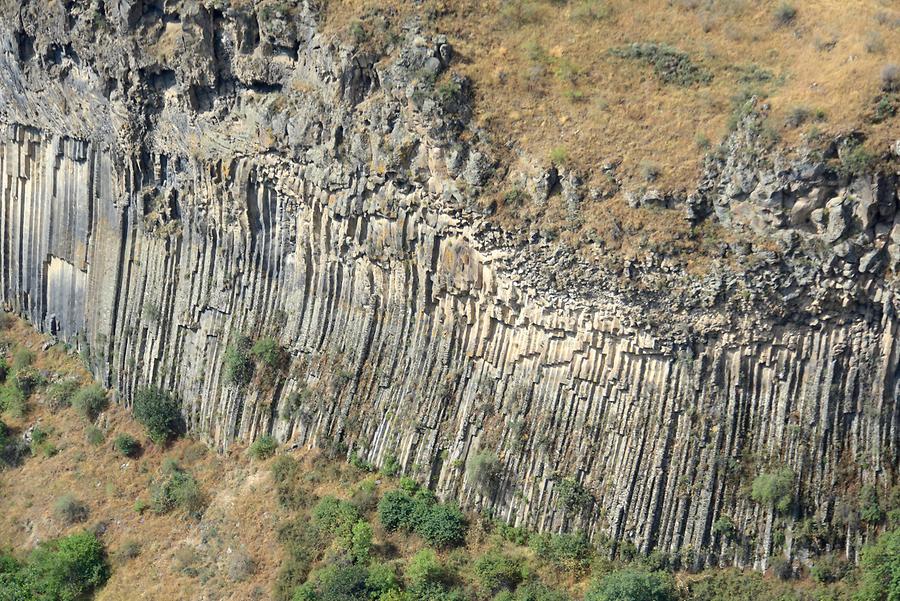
{"points": [[544, 78]]}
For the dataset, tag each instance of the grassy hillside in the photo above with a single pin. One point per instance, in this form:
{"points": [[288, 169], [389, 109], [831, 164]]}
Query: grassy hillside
{"points": [[94, 508], [641, 92]]}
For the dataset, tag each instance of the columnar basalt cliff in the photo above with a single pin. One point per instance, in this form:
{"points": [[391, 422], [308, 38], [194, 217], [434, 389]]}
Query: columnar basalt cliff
{"points": [[175, 176]]}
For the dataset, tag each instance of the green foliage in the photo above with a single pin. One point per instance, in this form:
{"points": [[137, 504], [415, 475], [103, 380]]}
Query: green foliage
{"points": [[176, 488], [361, 542], [270, 354], [94, 436], [263, 447], [855, 160], [870, 511], [336, 517], [483, 471], [12, 401], [40, 442], [670, 64], [396, 511], [158, 412], [880, 565], [775, 489], [391, 466], [22, 358], [4, 369], [441, 525], [59, 394], [829, 568], [559, 155], [724, 526], [90, 401], [26, 380], [126, 445], [571, 495], [495, 572], [423, 569], [570, 551], [67, 569], [239, 365], [632, 585]]}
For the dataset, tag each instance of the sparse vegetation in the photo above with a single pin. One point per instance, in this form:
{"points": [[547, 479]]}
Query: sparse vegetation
{"points": [[671, 65], [126, 445], [890, 78], [263, 447], [176, 488], [785, 14], [775, 489], [159, 413], [69, 510], [90, 401], [239, 367]]}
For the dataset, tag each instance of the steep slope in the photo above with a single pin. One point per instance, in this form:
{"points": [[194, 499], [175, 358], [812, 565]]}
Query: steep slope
{"points": [[177, 176]]}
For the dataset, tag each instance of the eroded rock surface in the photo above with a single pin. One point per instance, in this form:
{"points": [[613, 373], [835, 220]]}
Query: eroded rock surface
{"points": [[178, 174]]}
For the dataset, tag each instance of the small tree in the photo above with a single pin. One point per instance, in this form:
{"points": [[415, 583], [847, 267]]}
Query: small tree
{"points": [[881, 569], [68, 569], [90, 401], [126, 445], [774, 488], [263, 447], [159, 413]]}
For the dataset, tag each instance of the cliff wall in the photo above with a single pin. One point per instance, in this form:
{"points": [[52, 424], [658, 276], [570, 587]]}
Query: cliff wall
{"points": [[213, 174]]}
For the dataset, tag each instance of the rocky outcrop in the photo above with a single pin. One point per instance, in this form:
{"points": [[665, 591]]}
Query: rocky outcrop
{"points": [[176, 176]]}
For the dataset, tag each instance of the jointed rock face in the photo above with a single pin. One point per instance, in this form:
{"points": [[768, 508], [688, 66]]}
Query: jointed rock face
{"points": [[175, 176]]}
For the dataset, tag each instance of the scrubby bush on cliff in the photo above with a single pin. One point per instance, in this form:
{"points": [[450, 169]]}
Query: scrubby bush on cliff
{"points": [[483, 471], [495, 572], [90, 401], [632, 585], [775, 489], [263, 447], [269, 353], [159, 413], [239, 365], [22, 358]]}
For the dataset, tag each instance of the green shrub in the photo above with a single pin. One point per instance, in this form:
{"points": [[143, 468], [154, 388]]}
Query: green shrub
{"points": [[533, 591], [880, 565], [632, 585], [670, 64], [68, 569], [271, 354], [396, 511], [361, 542], [774, 489], [724, 526], [239, 366], [391, 466], [176, 488], [495, 572], [22, 358], [59, 394], [263, 447], [484, 471], [829, 568], [27, 380], [856, 159], [869, 509], [94, 436], [40, 442], [70, 510], [571, 495], [12, 401], [159, 413], [424, 568], [442, 526], [570, 551], [336, 518], [4, 370], [126, 445], [90, 401]]}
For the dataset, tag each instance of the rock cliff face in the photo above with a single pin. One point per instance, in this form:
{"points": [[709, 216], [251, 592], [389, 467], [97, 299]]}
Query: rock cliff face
{"points": [[177, 175]]}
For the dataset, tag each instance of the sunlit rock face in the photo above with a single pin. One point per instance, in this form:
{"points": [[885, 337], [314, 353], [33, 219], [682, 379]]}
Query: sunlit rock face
{"points": [[170, 185]]}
